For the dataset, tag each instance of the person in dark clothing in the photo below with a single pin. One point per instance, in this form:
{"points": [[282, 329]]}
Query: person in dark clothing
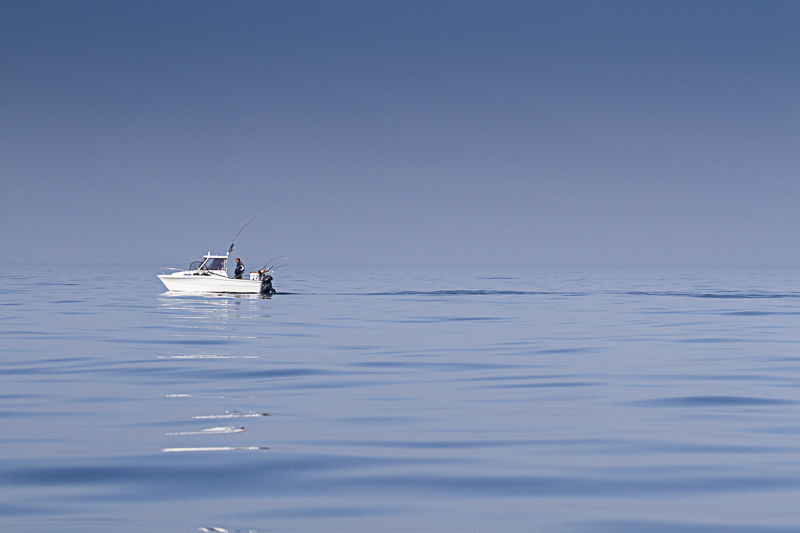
{"points": [[237, 273], [266, 282]]}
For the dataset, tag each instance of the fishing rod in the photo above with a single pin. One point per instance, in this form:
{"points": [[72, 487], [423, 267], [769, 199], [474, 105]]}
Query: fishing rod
{"points": [[274, 262], [237, 235]]}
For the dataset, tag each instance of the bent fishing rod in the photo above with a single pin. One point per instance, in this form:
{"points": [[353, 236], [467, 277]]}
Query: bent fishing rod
{"points": [[275, 265], [237, 235]]}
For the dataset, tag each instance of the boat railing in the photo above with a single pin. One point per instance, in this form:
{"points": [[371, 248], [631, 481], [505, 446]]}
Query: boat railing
{"points": [[166, 268]]}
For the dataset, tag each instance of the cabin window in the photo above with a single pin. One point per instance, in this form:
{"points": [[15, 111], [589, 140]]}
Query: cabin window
{"points": [[215, 264]]}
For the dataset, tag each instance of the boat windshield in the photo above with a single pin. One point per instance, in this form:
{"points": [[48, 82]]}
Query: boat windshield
{"points": [[214, 264]]}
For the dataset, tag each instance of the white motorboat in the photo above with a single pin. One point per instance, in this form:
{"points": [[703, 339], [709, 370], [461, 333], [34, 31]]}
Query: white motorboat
{"points": [[211, 275]]}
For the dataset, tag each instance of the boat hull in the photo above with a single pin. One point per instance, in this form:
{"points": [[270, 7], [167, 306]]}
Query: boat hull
{"points": [[212, 284]]}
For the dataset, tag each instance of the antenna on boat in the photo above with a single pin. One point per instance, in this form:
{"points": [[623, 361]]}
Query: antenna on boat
{"points": [[237, 235]]}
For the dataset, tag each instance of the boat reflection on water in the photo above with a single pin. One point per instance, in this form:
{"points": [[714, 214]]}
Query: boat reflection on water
{"points": [[221, 296]]}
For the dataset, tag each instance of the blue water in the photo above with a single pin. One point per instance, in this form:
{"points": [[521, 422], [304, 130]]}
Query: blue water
{"points": [[402, 400]]}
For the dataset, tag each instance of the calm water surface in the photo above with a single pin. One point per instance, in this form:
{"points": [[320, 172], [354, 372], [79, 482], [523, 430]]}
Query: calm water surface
{"points": [[403, 400]]}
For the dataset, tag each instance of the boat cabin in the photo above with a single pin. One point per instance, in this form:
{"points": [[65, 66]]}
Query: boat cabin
{"points": [[210, 262]]}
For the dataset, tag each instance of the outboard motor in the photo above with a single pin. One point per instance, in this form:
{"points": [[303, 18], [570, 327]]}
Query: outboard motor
{"points": [[266, 283]]}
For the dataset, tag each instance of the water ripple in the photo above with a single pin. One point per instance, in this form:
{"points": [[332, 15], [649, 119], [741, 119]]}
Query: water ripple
{"points": [[711, 401]]}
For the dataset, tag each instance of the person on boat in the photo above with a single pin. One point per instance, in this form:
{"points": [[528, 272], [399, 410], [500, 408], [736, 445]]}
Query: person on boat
{"points": [[237, 273], [266, 282]]}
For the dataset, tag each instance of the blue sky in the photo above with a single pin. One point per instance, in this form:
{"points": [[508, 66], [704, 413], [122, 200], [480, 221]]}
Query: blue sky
{"points": [[510, 133]]}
